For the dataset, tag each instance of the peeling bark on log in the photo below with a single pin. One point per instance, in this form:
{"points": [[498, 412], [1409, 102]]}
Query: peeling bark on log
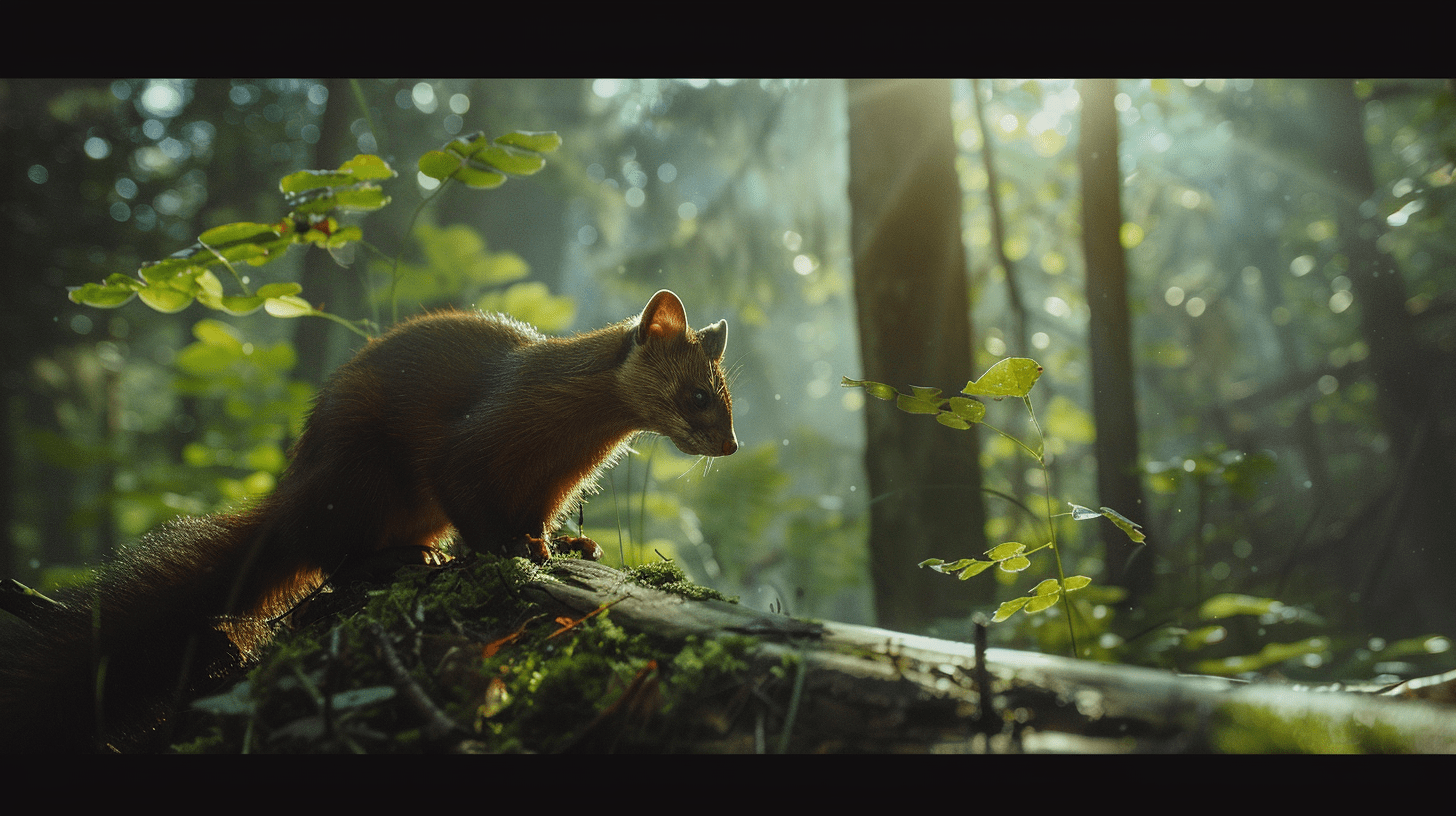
{"points": [[868, 689]]}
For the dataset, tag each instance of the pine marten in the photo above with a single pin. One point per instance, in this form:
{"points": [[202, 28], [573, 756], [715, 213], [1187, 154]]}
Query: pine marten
{"points": [[465, 421]]}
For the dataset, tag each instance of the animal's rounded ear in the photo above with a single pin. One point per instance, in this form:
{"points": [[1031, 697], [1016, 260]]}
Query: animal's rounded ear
{"points": [[714, 339], [663, 317]]}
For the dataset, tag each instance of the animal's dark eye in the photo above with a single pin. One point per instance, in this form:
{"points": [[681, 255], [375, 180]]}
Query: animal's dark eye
{"points": [[700, 399]]}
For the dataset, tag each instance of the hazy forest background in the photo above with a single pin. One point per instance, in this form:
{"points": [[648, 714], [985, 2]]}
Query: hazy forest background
{"points": [[1256, 363]]}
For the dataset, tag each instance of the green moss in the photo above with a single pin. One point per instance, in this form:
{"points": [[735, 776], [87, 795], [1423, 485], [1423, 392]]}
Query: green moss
{"points": [[513, 677], [1245, 728], [703, 664], [485, 587], [669, 577]]}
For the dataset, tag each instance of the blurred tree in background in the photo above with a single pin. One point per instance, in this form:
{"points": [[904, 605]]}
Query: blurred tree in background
{"points": [[1289, 290], [914, 324], [1109, 335]]}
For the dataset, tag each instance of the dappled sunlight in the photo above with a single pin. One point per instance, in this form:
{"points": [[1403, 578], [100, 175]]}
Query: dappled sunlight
{"points": [[1274, 256]]}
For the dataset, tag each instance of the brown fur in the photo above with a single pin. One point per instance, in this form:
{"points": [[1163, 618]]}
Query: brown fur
{"points": [[465, 421]]}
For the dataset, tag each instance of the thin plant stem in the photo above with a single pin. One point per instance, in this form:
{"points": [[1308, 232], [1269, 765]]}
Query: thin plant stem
{"points": [[408, 231], [1051, 519], [239, 278], [342, 322], [1057, 552], [1051, 522]]}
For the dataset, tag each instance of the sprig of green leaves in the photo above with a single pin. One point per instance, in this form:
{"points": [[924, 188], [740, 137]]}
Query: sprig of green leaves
{"points": [[316, 200], [1012, 377]]}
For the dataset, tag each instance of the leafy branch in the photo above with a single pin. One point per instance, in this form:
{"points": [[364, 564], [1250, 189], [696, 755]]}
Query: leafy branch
{"points": [[316, 200], [1012, 377]]}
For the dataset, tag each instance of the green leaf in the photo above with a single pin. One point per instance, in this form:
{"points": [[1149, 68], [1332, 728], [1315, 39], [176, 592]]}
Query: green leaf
{"points": [[1128, 526], [363, 167], [1230, 604], [196, 454], [1010, 608], [344, 235], [165, 300], [364, 198], [1204, 636], [1077, 582], [367, 167], [202, 359], [305, 180], [267, 457], [1016, 564], [180, 263], [101, 297], [280, 357], [217, 333], [279, 290], [975, 568], [242, 241], [478, 177], [439, 165], [1042, 602], [874, 389], [921, 392], [969, 410], [288, 306], [354, 172], [531, 301], [953, 421], [481, 164], [239, 305], [117, 290], [1271, 654], [915, 405], [540, 141], [467, 146], [210, 286], [1003, 551], [118, 279], [967, 567], [225, 234], [1047, 587], [510, 160], [1012, 377]]}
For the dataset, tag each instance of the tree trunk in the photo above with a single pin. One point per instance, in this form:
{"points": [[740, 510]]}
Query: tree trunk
{"points": [[1114, 403], [1415, 384], [326, 284], [914, 328]]}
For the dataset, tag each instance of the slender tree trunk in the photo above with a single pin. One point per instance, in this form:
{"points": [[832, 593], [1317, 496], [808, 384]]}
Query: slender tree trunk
{"points": [[914, 325], [1114, 402], [325, 283], [1415, 566], [1019, 347]]}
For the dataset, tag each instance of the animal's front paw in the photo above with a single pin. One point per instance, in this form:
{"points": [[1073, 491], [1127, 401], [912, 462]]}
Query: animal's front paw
{"points": [[529, 546], [589, 549]]}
